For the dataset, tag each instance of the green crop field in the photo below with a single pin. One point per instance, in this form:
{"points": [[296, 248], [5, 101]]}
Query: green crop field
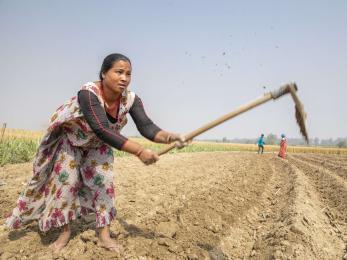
{"points": [[17, 146]]}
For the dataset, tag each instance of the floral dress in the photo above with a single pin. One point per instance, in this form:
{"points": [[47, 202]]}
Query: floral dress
{"points": [[72, 170]]}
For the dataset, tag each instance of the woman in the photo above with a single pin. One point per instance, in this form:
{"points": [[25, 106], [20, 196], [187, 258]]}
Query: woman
{"points": [[72, 171], [283, 147]]}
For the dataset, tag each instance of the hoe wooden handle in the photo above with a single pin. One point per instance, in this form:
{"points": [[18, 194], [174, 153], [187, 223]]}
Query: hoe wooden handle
{"points": [[268, 96]]}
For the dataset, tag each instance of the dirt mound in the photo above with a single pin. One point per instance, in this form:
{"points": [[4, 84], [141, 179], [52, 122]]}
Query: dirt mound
{"points": [[220, 205]]}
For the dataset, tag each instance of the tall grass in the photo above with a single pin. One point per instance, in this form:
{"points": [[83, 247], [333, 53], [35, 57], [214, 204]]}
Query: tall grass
{"points": [[18, 146], [17, 150]]}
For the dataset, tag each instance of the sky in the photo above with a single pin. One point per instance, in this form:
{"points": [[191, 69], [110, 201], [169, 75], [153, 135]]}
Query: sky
{"points": [[193, 61]]}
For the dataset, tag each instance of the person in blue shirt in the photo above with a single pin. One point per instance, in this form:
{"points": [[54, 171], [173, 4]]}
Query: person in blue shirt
{"points": [[261, 144]]}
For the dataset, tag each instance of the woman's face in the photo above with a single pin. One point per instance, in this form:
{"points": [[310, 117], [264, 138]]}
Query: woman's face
{"points": [[118, 77]]}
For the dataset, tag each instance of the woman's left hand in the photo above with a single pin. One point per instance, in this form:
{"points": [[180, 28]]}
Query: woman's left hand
{"points": [[180, 140]]}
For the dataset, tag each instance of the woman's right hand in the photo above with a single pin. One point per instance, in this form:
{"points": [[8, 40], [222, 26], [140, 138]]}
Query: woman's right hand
{"points": [[148, 156]]}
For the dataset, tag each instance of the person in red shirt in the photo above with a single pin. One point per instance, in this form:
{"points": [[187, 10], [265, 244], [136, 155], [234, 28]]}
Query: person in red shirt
{"points": [[283, 147]]}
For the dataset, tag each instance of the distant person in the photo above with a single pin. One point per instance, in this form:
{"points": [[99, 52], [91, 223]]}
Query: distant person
{"points": [[261, 143], [283, 147], [72, 171]]}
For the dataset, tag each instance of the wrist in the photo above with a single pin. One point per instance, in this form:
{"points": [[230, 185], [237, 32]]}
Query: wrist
{"points": [[168, 139], [139, 152]]}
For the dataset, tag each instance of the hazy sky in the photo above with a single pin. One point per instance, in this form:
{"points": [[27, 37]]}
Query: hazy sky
{"points": [[193, 61]]}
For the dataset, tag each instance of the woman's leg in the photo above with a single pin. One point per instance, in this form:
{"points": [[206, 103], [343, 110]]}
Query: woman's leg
{"points": [[62, 201], [97, 175], [62, 240], [106, 241]]}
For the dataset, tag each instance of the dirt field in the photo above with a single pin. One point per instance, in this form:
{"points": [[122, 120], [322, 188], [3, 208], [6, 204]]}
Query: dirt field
{"points": [[221, 205]]}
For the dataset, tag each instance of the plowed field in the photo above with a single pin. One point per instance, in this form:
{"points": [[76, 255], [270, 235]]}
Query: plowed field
{"points": [[216, 205]]}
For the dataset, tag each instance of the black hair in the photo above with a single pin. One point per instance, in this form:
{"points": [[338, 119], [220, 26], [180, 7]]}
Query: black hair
{"points": [[109, 60]]}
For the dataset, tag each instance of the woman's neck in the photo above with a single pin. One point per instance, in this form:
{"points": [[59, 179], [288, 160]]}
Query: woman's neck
{"points": [[108, 95]]}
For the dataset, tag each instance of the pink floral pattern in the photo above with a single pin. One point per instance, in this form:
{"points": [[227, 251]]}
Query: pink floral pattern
{"points": [[57, 168], [89, 173], [22, 205], [110, 191]]}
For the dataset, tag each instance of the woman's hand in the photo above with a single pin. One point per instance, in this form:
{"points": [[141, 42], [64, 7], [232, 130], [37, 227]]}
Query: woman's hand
{"points": [[179, 139], [165, 137], [147, 156]]}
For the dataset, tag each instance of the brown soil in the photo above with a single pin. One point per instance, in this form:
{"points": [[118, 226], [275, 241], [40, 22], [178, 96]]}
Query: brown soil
{"points": [[220, 205]]}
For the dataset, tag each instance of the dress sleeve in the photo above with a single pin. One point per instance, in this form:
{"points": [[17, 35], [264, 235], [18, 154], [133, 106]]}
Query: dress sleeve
{"points": [[143, 123], [96, 117]]}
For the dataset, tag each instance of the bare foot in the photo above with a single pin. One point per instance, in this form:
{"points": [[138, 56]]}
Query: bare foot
{"points": [[61, 242], [110, 244]]}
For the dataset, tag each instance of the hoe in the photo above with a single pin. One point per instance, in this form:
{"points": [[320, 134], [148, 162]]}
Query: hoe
{"points": [[289, 88]]}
